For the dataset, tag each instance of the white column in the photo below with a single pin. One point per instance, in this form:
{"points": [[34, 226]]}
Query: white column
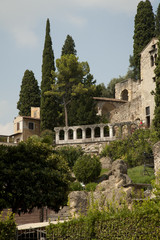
{"points": [[74, 134], [66, 135], [83, 133], [92, 133], [101, 132], [57, 136], [111, 131]]}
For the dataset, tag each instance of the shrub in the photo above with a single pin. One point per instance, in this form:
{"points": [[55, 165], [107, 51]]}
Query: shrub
{"points": [[134, 150], [7, 227], [90, 187], [87, 168], [76, 186], [70, 154]]}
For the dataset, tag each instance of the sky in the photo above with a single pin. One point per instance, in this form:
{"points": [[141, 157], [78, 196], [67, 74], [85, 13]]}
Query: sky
{"points": [[102, 30]]}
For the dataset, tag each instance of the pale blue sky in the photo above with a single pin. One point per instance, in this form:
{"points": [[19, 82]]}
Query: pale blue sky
{"points": [[102, 31]]}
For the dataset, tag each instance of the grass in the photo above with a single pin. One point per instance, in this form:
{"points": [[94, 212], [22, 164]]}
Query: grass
{"points": [[138, 175], [103, 171]]}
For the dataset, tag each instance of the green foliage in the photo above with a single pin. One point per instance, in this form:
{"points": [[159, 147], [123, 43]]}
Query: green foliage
{"points": [[144, 30], [29, 95], [49, 104], [69, 46], [157, 22], [68, 80], [109, 92], [134, 150], [87, 168], [70, 154], [31, 175], [90, 187], [142, 222], [75, 186], [140, 174], [7, 227], [156, 120], [47, 136], [82, 109]]}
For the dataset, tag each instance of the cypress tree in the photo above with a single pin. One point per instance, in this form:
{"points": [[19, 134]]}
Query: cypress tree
{"points": [[69, 46], [29, 94], [156, 120], [157, 22], [49, 105], [143, 32]]}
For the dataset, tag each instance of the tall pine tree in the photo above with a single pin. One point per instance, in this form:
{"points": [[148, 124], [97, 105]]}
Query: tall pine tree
{"points": [[143, 32], [49, 106], [29, 94], [69, 46], [157, 22], [156, 120]]}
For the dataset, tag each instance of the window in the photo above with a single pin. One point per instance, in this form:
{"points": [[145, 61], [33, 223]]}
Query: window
{"points": [[124, 95], [31, 125], [147, 110], [152, 61]]}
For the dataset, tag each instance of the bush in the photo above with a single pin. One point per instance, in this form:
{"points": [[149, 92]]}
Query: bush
{"points": [[90, 187], [76, 186], [87, 168], [7, 227], [134, 150], [70, 154]]}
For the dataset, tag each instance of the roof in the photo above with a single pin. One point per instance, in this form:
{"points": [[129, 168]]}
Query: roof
{"points": [[153, 39], [28, 117], [37, 225], [109, 99]]}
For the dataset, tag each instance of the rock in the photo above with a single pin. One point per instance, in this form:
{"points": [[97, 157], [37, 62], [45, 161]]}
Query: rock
{"points": [[119, 166], [78, 203], [106, 162]]}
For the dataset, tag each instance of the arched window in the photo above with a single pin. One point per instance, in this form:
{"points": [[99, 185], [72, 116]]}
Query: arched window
{"points": [[97, 132], [88, 133], [124, 95], [106, 131], [70, 134], [61, 135], [79, 133]]}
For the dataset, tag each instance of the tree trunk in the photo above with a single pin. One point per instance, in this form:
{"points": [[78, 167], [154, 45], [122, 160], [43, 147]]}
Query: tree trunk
{"points": [[66, 114]]}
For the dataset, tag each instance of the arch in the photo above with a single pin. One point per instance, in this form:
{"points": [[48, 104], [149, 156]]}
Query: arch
{"points": [[97, 132], [61, 135], [70, 134], [116, 131], [124, 95], [124, 131], [106, 131], [79, 133], [88, 132]]}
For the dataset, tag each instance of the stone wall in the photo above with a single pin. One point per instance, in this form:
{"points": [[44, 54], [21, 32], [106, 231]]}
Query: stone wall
{"points": [[133, 88], [130, 111]]}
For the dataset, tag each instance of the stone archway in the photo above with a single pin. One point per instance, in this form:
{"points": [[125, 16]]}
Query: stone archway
{"points": [[124, 95]]}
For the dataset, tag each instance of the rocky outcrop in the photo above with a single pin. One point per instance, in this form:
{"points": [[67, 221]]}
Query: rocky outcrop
{"points": [[106, 191]]}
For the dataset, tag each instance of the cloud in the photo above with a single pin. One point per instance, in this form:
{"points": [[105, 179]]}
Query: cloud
{"points": [[21, 18], [6, 129]]}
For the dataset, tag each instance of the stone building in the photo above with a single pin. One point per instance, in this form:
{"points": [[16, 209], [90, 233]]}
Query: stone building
{"points": [[133, 99], [26, 126]]}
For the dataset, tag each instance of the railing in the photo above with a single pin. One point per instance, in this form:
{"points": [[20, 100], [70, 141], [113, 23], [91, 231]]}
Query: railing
{"points": [[93, 133]]}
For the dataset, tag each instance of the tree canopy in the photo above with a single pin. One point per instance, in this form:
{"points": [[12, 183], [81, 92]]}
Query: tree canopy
{"points": [[69, 46], [157, 22], [68, 80], [49, 106], [29, 94], [144, 30], [156, 120], [31, 175]]}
